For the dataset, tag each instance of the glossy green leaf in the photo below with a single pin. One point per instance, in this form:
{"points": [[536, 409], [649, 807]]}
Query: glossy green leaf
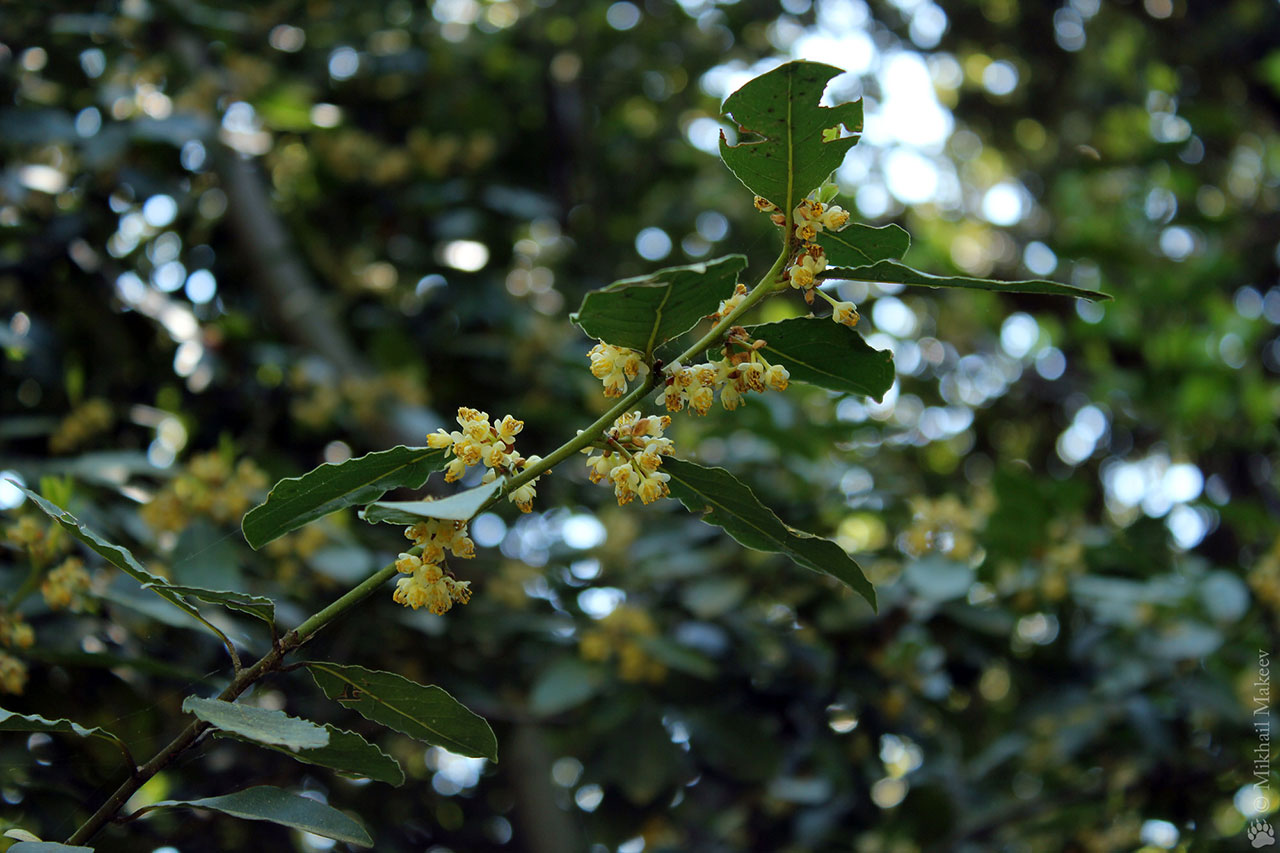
{"points": [[277, 806], [891, 272], [565, 684], [858, 244], [727, 502], [346, 752], [801, 142], [12, 722], [643, 312], [47, 847], [331, 487], [258, 606], [118, 557], [428, 714], [819, 351], [459, 507], [257, 724]]}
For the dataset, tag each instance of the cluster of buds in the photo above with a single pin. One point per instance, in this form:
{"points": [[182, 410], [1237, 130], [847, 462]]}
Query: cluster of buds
{"points": [[630, 457], [83, 423], [14, 634], [210, 486], [43, 541], [67, 586], [810, 218], [621, 634], [615, 367], [735, 375], [492, 444], [428, 583]]}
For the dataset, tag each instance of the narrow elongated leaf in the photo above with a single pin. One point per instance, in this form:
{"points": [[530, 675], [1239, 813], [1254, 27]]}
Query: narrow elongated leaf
{"points": [[11, 722], [641, 313], [257, 724], [346, 752], [857, 244], [822, 352], [801, 141], [727, 502], [459, 507], [426, 713], [257, 606], [47, 847], [277, 806], [118, 557], [329, 488], [891, 272]]}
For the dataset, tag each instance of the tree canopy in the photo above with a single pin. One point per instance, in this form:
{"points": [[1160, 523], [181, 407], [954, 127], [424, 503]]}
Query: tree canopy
{"points": [[239, 241]]}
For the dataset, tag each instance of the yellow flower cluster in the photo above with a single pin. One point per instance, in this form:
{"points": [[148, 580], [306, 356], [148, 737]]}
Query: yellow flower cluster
{"points": [[943, 526], [83, 423], [734, 376], [1264, 577], [14, 634], [208, 486], [631, 456], [428, 583], [67, 586], [13, 674], [810, 218], [494, 445], [43, 541], [319, 400], [621, 633], [615, 366]]}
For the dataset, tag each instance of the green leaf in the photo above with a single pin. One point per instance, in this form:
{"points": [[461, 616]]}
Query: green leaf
{"points": [[821, 352], [678, 656], [329, 488], [891, 272], [118, 557], [47, 847], [781, 106], [257, 606], [257, 724], [426, 713], [459, 507], [346, 752], [11, 722], [565, 684], [727, 502], [858, 244], [643, 312], [276, 806]]}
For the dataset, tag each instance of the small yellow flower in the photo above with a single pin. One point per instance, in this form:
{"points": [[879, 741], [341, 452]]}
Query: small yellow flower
{"points": [[777, 377], [845, 313], [13, 674]]}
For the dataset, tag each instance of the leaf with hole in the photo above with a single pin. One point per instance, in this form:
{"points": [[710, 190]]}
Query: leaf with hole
{"points": [[800, 143], [727, 502]]}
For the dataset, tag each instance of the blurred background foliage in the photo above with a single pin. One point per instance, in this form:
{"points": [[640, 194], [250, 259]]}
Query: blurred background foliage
{"points": [[238, 240]]}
